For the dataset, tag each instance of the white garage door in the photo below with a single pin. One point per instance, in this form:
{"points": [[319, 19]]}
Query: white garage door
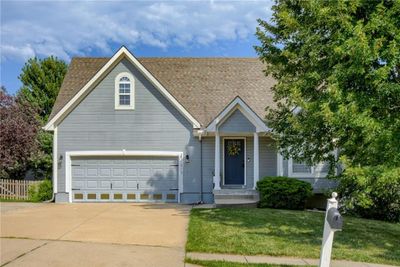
{"points": [[135, 179]]}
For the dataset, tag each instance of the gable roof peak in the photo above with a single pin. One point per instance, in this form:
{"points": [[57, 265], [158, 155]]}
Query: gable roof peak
{"points": [[203, 86], [122, 52]]}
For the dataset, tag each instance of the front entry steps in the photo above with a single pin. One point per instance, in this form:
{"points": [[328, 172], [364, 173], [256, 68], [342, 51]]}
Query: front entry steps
{"points": [[226, 198]]}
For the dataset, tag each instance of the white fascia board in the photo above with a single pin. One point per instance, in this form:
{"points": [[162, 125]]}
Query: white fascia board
{"points": [[123, 51], [238, 103], [125, 153]]}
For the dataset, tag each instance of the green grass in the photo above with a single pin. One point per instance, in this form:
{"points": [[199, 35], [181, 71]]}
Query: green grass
{"points": [[231, 264], [16, 200], [290, 233]]}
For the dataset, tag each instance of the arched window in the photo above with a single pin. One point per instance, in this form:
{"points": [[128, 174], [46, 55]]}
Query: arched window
{"points": [[124, 91]]}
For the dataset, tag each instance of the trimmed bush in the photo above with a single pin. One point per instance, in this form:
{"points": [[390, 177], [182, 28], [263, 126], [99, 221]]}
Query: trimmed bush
{"points": [[283, 193], [41, 192], [371, 192]]}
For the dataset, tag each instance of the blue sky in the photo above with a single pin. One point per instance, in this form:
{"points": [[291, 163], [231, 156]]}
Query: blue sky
{"points": [[148, 28]]}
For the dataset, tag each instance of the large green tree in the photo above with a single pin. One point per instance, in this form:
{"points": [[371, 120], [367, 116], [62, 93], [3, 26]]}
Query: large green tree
{"points": [[41, 81], [337, 66]]}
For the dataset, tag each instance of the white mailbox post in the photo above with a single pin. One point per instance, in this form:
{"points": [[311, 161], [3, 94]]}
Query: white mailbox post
{"points": [[333, 223]]}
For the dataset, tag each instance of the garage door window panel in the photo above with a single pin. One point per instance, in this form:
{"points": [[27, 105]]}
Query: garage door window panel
{"points": [[91, 196]]}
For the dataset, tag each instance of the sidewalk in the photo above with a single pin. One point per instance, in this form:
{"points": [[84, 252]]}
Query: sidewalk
{"points": [[276, 260]]}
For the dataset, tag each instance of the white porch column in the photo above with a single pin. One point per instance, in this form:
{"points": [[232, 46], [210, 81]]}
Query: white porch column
{"points": [[256, 160], [217, 169]]}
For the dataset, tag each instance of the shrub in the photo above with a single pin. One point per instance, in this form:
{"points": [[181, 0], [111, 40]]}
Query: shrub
{"points": [[371, 192], [283, 193], [41, 192]]}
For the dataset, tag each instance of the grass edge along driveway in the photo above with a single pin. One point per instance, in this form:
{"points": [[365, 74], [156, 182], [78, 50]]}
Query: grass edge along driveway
{"points": [[233, 264], [290, 233]]}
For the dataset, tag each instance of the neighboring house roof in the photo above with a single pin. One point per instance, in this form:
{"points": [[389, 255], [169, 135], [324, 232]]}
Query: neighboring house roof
{"points": [[203, 86]]}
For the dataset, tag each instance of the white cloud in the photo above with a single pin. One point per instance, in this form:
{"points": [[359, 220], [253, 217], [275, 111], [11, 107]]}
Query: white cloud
{"points": [[23, 52], [73, 28]]}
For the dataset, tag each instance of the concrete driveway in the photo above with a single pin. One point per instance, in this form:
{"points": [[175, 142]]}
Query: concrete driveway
{"points": [[112, 234]]}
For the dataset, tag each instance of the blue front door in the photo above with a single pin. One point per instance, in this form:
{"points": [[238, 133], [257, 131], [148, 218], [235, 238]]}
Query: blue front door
{"points": [[234, 161]]}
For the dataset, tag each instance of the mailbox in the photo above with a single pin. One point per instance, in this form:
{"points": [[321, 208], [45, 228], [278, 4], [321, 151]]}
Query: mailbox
{"points": [[334, 219], [333, 222]]}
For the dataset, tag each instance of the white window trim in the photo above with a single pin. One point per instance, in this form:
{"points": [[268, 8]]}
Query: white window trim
{"points": [[245, 159], [132, 93], [314, 172], [111, 153]]}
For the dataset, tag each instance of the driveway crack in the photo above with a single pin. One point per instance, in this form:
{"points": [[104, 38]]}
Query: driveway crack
{"points": [[85, 221], [25, 253]]}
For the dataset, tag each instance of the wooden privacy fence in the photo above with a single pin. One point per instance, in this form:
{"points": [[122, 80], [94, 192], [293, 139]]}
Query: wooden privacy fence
{"points": [[15, 189]]}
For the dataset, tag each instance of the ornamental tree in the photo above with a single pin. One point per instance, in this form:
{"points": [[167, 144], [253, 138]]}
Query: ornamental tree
{"points": [[18, 131]]}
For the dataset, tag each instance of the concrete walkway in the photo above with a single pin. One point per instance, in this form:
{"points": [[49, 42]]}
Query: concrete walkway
{"points": [[276, 260]]}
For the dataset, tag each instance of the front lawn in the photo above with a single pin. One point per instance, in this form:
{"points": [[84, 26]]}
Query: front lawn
{"points": [[290, 233]]}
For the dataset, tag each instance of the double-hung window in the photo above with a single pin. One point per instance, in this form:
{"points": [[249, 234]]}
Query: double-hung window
{"points": [[124, 91], [301, 169]]}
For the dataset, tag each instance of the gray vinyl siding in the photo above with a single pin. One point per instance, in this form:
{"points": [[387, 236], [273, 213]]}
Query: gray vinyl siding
{"points": [[154, 125], [208, 173], [208, 163], [237, 122], [320, 184], [249, 162], [268, 157]]}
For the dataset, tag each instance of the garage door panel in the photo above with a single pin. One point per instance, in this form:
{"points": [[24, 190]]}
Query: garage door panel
{"points": [[131, 184], [144, 172], [105, 184], [92, 184], [78, 172], [118, 184], [131, 172], [92, 172], [105, 172], [131, 179], [78, 184], [118, 172]]}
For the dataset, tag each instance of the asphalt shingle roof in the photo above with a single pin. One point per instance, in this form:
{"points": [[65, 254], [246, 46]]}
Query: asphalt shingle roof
{"points": [[204, 86]]}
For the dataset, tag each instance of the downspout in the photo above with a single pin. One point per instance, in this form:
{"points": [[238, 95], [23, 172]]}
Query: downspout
{"points": [[54, 165], [53, 198], [201, 171], [201, 166]]}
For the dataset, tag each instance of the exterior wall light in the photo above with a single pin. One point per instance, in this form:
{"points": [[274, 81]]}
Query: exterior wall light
{"points": [[189, 153]]}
